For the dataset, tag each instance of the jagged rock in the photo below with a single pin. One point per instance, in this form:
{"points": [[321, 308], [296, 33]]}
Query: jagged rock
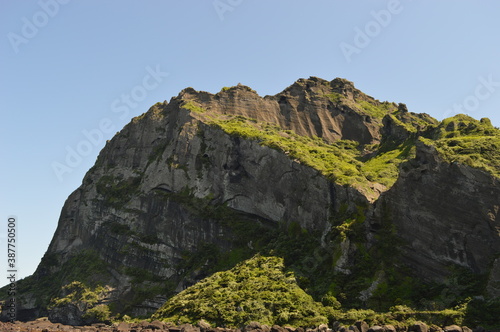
{"points": [[362, 326], [418, 327]]}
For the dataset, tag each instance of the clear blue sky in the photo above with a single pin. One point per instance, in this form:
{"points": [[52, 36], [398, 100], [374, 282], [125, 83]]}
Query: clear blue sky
{"points": [[67, 67]]}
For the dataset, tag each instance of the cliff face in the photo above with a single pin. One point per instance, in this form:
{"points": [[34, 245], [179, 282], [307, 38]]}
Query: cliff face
{"points": [[187, 189], [446, 213]]}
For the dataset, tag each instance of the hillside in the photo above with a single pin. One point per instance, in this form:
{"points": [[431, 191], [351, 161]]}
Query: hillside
{"points": [[368, 205]]}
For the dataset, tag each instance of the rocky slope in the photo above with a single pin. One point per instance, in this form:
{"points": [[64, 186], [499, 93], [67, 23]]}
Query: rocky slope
{"points": [[355, 194]]}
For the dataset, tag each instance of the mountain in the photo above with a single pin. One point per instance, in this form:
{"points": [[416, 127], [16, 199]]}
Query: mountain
{"points": [[368, 204]]}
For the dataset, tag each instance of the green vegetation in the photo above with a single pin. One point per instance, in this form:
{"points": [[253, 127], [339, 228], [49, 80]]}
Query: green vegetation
{"points": [[340, 161], [402, 316], [472, 142], [372, 108], [336, 161], [223, 301], [477, 152], [259, 289], [312, 263], [77, 268], [460, 138], [262, 289], [335, 97], [85, 300], [384, 167], [117, 191], [468, 141], [194, 107], [378, 110]]}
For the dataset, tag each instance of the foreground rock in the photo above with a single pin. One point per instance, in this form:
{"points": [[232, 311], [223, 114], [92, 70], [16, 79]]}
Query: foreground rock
{"points": [[44, 325]]}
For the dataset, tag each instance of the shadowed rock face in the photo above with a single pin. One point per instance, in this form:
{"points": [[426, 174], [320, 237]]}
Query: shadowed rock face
{"points": [[446, 214], [147, 204]]}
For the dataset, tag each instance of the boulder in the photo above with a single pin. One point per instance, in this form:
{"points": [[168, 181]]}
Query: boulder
{"points": [[418, 327], [452, 328], [362, 326], [389, 328], [376, 328]]}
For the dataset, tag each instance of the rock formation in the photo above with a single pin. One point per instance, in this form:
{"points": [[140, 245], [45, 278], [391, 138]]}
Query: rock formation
{"points": [[204, 181]]}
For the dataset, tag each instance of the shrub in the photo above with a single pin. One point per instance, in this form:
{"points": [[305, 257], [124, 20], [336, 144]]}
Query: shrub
{"points": [[259, 289]]}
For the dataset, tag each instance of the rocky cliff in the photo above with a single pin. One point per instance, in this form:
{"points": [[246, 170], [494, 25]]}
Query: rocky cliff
{"points": [[355, 194]]}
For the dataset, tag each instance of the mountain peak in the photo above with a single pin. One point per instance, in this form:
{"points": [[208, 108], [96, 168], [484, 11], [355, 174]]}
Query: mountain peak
{"points": [[338, 184]]}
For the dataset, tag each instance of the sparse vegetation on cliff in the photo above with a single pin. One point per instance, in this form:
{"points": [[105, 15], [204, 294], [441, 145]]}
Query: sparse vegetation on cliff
{"points": [[83, 301], [340, 161], [468, 141]]}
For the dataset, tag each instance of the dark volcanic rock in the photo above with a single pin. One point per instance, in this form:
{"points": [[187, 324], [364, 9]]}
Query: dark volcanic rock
{"points": [[446, 214]]}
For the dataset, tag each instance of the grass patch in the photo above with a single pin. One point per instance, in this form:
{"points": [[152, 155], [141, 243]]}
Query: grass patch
{"points": [[384, 167], [336, 161], [339, 161], [467, 141], [194, 107], [335, 97], [376, 110]]}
